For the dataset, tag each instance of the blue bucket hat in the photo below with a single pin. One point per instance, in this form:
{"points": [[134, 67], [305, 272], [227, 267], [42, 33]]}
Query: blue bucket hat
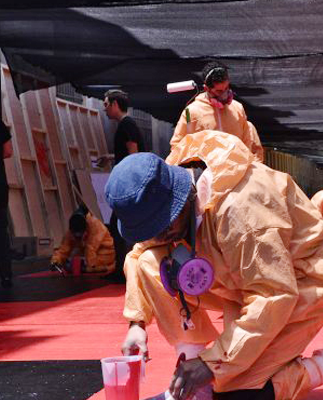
{"points": [[146, 194]]}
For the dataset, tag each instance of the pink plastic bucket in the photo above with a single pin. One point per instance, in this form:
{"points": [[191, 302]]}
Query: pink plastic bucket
{"points": [[121, 377]]}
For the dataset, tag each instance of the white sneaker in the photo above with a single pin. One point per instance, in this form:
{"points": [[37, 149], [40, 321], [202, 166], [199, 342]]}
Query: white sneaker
{"points": [[314, 366]]}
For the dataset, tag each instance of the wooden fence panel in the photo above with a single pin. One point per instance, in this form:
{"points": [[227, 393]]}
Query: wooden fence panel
{"points": [[97, 131], [25, 202], [73, 152], [52, 140], [306, 173], [58, 154], [74, 111]]}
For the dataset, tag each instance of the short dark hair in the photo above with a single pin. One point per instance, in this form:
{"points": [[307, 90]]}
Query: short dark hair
{"points": [[77, 224], [214, 72], [120, 97]]}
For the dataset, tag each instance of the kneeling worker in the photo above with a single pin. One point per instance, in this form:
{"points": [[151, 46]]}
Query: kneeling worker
{"points": [[236, 236], [89, 237]]}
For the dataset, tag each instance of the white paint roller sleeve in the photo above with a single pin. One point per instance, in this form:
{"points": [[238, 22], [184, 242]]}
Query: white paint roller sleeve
{"points": [[180, 86]]}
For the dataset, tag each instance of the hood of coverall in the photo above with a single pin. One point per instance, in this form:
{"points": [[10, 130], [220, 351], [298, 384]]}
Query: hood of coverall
{"points": [[225, 155]]}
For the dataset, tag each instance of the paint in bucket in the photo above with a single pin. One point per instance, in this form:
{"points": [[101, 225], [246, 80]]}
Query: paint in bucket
{"points": [[121, 377]]}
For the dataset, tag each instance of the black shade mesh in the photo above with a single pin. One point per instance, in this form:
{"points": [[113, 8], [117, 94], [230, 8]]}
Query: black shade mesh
{"points": [[274, 50]]}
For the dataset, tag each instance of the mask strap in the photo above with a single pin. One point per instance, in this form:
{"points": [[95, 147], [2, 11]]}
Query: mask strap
{"points": [[193, 226], [187, 323], [185, 308], [197, 172]]}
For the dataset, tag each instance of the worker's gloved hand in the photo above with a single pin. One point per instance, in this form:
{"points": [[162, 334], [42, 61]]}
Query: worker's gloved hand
{"points": [[136, 340], [188, 377], [55, 266]]}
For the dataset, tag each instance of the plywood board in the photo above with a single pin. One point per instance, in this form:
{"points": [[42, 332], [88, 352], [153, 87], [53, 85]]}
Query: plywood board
{"points": [[30, 100], [17, 119], [35, 205], [43, 158], [90, 141], [87, 191], [52, 138], [74, 111], [68, 202], [62, 107], [18, 213], [48, 110], [97, 129], [54, 216], [99, 181]]}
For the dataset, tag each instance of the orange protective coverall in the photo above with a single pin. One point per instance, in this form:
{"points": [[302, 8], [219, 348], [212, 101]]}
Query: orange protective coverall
{"points": [[97, 247], [264, 238], [231, 119], [317, 200]]}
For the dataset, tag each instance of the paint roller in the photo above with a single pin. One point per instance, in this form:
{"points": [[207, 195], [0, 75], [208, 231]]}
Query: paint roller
{"points": [[183, 86]]}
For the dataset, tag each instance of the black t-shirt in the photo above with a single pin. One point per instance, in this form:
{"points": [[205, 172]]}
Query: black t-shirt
{"points": [[4, 137], [127, 131]]}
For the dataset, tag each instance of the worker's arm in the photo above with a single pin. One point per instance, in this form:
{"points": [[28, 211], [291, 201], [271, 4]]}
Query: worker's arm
{"points": [[63, 252], [252, 140]]}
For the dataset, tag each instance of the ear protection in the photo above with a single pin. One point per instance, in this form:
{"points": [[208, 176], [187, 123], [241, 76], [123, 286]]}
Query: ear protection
{"points": [[183, 272]]}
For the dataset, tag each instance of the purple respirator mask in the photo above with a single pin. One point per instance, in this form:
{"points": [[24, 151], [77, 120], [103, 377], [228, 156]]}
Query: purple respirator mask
{"points": [[184, 273]]}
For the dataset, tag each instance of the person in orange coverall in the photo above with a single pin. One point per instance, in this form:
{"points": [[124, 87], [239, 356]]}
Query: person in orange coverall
{"points": [[263, 239], [89, 237], [216, 109]]}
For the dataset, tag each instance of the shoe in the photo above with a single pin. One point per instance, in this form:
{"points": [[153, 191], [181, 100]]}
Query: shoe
{"points": [[6, 283]]}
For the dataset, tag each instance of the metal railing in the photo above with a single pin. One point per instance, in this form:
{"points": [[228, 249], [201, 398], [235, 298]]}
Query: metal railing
{"points": [[306, 173]]}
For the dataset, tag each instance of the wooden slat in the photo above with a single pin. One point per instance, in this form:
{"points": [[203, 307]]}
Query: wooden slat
{"points": [[87, 191]]}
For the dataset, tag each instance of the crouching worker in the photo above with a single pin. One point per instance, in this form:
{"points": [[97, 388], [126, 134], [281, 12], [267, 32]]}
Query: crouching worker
{"points": [[239, 237], [88, 238]]}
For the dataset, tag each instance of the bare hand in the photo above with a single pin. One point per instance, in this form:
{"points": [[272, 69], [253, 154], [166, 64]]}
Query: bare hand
{"points": [[189, 376], [136, 340]]}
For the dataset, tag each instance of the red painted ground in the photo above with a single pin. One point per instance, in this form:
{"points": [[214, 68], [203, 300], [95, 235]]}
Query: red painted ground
{"points": [[89, 326]]}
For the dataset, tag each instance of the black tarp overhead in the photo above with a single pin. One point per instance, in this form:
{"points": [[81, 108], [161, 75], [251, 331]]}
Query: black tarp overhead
{"points": [[274, 50]]}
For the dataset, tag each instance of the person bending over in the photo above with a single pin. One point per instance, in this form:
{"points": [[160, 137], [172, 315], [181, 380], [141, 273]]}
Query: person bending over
{"points": [[231, 235], [87, 237]]}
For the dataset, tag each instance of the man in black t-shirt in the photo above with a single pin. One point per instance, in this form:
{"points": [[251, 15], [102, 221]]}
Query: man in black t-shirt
{"points": [[5, 260], [127, 140]]}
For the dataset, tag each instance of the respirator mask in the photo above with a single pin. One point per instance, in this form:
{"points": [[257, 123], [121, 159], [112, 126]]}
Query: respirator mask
{"points": [[220, 101], [183, 273]]}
